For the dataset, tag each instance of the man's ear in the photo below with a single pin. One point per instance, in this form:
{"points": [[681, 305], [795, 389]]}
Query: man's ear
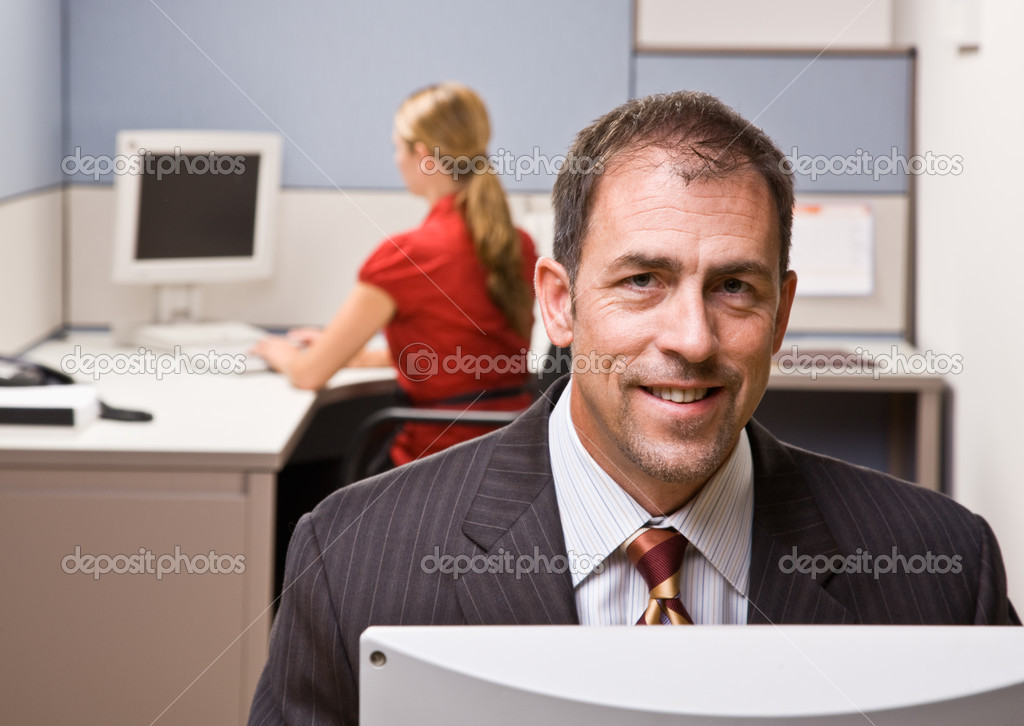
{"points": [[787, 292], [552, 284]]}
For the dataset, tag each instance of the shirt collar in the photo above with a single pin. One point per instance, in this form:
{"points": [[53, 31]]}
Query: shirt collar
{"points": [[444, 205], [598, 515]]}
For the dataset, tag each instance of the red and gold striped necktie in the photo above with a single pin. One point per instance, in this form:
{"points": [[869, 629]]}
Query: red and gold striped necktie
{"points": [[658, 555]]}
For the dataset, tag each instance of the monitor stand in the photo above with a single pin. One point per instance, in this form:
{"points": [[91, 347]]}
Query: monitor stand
{"points": [[179, 325]]}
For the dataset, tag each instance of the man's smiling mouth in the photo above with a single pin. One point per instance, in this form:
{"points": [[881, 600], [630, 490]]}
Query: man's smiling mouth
{"points": [[679, 395]]}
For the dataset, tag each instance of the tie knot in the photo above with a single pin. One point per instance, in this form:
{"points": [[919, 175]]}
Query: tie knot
{"points": [[657, 554]]}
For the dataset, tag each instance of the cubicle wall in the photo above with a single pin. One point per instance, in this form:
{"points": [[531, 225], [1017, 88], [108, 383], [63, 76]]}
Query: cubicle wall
{"points": [[839, 104], [30, 175], [844, 121], [328, 77]]}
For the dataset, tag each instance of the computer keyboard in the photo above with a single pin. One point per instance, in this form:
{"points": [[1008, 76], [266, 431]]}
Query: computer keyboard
{"points": [[253, 363], [200, 339], [198, 335]]}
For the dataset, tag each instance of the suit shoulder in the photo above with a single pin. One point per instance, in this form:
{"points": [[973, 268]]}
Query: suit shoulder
{"points": [[875, 500], [441, 481]]}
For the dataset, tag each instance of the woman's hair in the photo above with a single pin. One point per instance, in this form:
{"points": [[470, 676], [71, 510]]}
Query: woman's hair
{"points": [[451, 121]]}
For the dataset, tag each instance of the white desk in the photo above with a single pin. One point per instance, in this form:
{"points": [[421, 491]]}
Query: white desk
{"points": [[926, 388], [200, 478]]}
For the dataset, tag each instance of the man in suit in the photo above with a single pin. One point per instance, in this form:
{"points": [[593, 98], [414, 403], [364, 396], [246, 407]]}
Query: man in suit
{"points": [[671, 282]]}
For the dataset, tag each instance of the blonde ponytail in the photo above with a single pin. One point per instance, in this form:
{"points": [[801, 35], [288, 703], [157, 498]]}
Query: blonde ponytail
{"points": [[496, 243], [451, 120]]}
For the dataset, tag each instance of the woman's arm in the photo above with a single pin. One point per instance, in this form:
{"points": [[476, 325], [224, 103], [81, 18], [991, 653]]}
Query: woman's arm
{"points": [[371, 358], [366, 311]]}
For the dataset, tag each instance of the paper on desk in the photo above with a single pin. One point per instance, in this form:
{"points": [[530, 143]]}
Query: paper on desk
{"points": [[833, 249]]}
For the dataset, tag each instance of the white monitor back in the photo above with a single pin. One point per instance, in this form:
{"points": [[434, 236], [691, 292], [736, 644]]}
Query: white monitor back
{"points": [[721, 675], [193, 158]]}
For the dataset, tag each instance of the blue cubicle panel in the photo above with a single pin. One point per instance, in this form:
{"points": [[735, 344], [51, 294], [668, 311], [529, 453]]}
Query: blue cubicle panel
{"points": [[869, 428], [329, 75], [831, 112], [30, 86]]}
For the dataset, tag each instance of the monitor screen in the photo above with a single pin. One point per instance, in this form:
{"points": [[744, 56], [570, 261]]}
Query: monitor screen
{"points": [[195, 206], [210, 215]]}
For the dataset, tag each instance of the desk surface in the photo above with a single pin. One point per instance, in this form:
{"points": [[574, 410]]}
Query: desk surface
{"points": [[252, 420], [210, 420]]}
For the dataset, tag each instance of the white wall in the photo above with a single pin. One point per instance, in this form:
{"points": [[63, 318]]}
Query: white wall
{"points": [[30, 269], [838, 24], [971, 249], [323, 237], [30, 154]]}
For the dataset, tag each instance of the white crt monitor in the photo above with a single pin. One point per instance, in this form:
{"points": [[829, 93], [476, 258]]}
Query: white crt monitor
{"points": [[811, 675], [195, 206]]}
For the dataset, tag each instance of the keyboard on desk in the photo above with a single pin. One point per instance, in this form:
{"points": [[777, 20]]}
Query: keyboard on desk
{"points": [[200, 340], [252, 363]]}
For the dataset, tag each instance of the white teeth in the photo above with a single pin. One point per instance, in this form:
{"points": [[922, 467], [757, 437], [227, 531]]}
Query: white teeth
{"points": [[680, 395]]}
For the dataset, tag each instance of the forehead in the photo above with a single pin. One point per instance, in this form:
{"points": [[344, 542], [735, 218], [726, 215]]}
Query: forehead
{"points": [[643, 200]]}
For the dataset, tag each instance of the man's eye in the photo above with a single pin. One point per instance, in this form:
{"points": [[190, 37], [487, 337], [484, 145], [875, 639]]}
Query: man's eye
{"points": [[734, 286], [644, 279]]}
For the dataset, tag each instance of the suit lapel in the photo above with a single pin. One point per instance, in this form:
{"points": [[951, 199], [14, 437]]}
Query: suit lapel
{"points": [[514, 519], [787, 525]]}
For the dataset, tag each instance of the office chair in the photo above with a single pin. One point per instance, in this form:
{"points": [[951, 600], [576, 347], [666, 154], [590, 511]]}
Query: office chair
{"points": [[374, 433], [373, 436]]}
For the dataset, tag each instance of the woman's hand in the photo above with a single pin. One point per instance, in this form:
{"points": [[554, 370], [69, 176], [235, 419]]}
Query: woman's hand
{"points": [[303, 336], [278, 352], [309, 358]]}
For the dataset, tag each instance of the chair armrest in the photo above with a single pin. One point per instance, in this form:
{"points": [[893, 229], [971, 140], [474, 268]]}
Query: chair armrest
{"points": [[388, 417]]}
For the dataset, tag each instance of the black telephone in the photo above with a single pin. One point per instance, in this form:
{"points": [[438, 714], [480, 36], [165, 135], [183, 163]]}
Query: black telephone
{"points": [[17, 372]]}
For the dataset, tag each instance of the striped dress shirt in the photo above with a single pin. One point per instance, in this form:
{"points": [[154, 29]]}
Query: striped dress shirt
{"points": [[598, 516]]}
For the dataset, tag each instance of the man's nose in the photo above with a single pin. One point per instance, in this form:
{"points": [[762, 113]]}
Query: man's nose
{"points": [[687, 328]]}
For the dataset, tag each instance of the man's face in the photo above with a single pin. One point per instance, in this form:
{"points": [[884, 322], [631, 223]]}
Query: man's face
{"points": [[683, 283]]}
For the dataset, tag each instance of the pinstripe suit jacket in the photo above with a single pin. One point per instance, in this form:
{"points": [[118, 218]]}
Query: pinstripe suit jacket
{"points": [[358, 559]]}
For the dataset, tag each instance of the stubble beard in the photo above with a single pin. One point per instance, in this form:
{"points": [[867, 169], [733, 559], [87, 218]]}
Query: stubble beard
{"points": [[691, 457]]}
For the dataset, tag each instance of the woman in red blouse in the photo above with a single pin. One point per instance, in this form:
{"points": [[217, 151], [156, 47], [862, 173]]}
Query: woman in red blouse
{"points": [[454, 296]]}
